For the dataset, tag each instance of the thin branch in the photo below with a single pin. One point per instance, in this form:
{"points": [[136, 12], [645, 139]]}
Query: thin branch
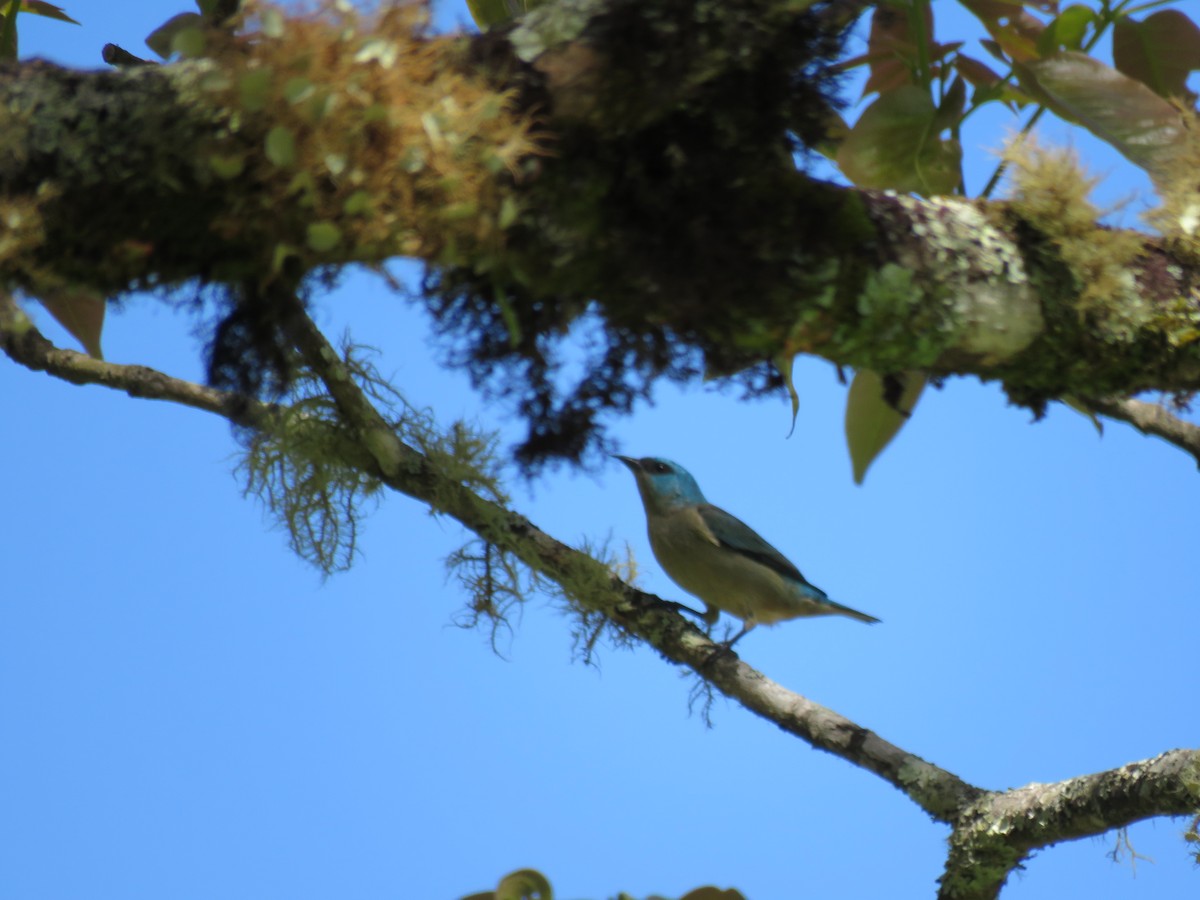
{"points": [[1153, 419], [993, 831], [940, 793], [24, 344]]}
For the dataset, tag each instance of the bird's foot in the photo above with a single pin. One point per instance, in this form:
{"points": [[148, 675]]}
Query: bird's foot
{"points": [[723, 648]]}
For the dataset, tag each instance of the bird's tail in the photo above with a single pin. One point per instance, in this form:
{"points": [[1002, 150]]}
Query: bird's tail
{"points": [[854, 613]]}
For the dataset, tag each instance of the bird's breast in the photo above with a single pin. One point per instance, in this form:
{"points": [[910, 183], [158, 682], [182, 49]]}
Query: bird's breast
{"points": [[696, 561]]}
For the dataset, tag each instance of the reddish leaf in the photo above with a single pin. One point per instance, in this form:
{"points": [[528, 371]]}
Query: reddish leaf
{"points": [[81, 312], [892, 48], [1125, 113], [994, 49], [1159, 52], [1014, 30], [979, 74], [938, 52]]}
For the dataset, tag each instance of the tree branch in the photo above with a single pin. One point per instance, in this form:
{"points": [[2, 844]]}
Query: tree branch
{"points": [[1152, 419], [24, 344], [993, 831], [773, 262], [999, 830], [937, 791]]}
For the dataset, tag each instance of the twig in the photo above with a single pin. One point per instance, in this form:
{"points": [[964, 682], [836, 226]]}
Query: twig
{"points": [[1153, 419]]}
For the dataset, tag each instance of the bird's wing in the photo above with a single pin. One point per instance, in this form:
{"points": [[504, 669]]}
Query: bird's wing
{"points": [[736, 535]]}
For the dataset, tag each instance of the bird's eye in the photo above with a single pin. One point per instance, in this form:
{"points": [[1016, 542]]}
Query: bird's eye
{"points": [[659, 468]]}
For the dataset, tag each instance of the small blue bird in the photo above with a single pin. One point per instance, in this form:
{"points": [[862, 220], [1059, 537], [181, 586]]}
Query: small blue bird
{"points": [[718, 557]]}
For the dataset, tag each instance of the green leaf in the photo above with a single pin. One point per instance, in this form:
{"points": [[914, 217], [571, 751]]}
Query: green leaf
{"points": [[298, 89], [712, 893], [272, 22], [281, 146], [1068, 29], [189, 43], [784, 365], [524, 884], [162, 39], [510, 211], [511, 323], [1084, 411], [81, 312], [254, 89], [876, 408], [1144, 127], [48, 10], [226, 166], [895, 144], [487, 13], [323, 236], [950, 110], [282, 253], [1160, 52], [357, 204]]}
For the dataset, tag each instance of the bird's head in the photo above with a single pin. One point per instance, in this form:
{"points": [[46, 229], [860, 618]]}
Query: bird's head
{"points": [[664, 485]]}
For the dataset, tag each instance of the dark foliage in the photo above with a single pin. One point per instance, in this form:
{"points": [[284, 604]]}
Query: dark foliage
{"points": [[677, 234], [251, 350]]}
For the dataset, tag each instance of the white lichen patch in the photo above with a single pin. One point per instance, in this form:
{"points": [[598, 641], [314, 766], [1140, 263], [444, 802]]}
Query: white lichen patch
{"points": [[981, 272]]}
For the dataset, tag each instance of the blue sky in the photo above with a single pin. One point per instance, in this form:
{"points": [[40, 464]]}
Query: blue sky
{"points": [[192, 712]]}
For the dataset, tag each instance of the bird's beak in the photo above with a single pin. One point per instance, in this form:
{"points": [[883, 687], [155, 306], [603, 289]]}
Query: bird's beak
{"points": [[634, 465]]}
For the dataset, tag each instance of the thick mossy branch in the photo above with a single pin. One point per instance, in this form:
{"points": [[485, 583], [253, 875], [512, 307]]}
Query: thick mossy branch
{"points": [[998, 830], [621, 171], [122, 147]]}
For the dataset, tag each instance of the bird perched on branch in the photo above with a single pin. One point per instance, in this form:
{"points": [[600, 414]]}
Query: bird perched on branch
{"points": [[718, 557]]}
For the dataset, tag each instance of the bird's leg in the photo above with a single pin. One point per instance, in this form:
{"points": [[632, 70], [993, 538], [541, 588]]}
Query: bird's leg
{"points": [[703, 616], [723, 647], [746, 626]]}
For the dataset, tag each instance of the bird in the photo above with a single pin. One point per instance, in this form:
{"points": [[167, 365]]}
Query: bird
{"points": [[718, 558]]}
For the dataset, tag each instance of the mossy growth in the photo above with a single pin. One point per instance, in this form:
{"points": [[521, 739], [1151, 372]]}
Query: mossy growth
{"points": [[363, 138], [1103, 333], [899, 325], [21, 234], [313, 474], [345, 136], [1050, 191], [297, 466], [1177, 216]]}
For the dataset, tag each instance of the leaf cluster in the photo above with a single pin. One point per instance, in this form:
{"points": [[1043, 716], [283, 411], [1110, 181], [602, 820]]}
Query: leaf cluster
{"points": [[908, 139], [530, 884]]}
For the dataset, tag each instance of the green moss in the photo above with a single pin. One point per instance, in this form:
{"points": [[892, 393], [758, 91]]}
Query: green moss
{"points": [[898, 324]]}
